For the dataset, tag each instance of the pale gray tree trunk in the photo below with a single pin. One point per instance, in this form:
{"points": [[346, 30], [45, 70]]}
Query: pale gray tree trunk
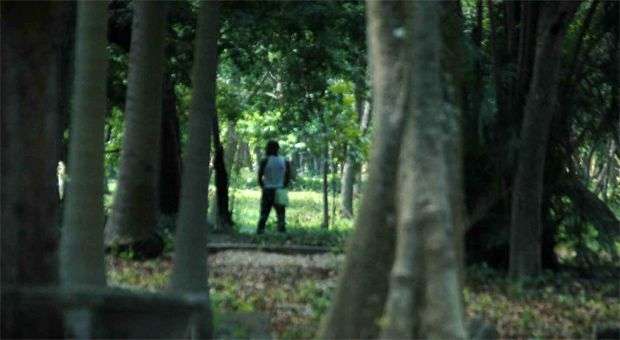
{"points": [[360, 297], [424, 299], [135, 209], [190, 259], [346, 187], [541, 104], [82, 234]]}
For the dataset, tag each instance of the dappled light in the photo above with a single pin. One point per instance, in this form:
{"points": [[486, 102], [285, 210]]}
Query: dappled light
{"points": [[403, 169]]}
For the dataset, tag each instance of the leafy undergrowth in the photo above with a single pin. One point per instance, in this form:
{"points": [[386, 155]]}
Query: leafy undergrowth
{"points": [[294, 292]]}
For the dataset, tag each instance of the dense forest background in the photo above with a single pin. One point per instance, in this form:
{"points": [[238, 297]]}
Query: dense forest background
{"points": [[435, 144]]}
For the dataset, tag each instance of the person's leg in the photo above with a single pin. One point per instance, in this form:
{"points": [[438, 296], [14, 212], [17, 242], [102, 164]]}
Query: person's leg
{"points": [[266, 201], [281, 212]]}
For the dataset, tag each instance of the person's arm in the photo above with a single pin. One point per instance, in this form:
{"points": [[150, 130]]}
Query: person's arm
{"points": [[261, 171], [287, 174]]}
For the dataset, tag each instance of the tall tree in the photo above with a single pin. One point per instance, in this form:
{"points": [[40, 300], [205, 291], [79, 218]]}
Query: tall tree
{"points": [[352, 166], [134, 212], [222, 213], [190, 259], [425, 299], [541, 104], [325, 186], [170, 165], [360, 297], [31, 39], [82, 235]]}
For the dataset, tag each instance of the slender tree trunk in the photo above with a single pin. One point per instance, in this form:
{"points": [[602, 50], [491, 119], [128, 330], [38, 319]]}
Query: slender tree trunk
{"points": [[425, 299], [231, 153], [346, 190], [190, 259], [360, 297], [82, 235], [525, 226], [334, 166], [223, 216], [325, 223], [170, 167], [134, 213], [351, 166], [30, 56]]}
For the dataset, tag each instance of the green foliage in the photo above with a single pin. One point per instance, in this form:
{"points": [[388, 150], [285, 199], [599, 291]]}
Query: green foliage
{"points": [[114, 134]]}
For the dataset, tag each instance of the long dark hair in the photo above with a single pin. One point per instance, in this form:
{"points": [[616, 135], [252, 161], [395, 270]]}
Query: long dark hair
{"points": [[272, 148]]}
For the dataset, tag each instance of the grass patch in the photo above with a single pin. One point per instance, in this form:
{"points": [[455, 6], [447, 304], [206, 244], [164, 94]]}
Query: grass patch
{"points": [[304, 211]]}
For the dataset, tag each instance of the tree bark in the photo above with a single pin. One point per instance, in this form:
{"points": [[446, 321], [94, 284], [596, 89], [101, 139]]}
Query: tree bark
{"points": [[31, 34], [232, 150], [456, 70], [135, 208], [82, 235], [424, 299], [223, 215], [541, 104], [360, 297], [190, 259], [325, 223], [351, 165], [170, 167], [346, 187]]}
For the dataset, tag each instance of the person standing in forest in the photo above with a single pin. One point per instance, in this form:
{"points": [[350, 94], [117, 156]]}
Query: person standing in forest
{"points": [[273, 177]]}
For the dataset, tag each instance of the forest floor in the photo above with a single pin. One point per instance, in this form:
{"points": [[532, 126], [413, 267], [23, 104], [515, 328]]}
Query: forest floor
{"points": [[287, 295], [293, 292]]}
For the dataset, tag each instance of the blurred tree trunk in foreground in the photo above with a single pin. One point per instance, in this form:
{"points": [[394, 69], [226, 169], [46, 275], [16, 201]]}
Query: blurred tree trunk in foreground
{"points": [[82, 235], [190, 272], [31, 42], [425, 293], [359, 300]]}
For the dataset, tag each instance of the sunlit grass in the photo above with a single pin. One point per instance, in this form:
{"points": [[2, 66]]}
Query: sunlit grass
{"points": [[305, 211]]}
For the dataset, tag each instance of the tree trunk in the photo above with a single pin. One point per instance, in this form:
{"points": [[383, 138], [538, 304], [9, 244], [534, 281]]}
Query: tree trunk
{"points": [[170, 167], [471, 116], [525, 226], [346, 190], [425, 299], [360, 297], [223, 216], [82, 235], [334, 189], [31, 34], [65, 81], [134, 213], [351, 166], [190, 259], [325, 223], [232, 149], [457, 66]]}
